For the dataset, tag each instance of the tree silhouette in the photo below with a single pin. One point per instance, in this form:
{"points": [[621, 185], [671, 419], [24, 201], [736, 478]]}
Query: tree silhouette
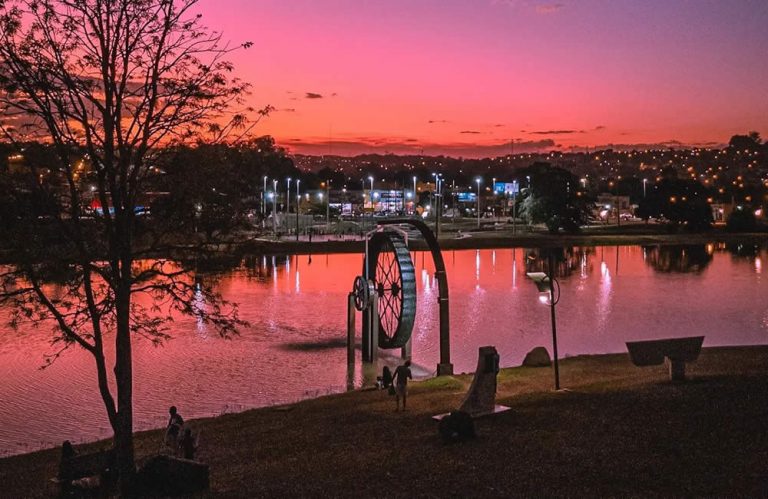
{"points": [[749, 142], [681, 201], [553, 197], [109, 84]]}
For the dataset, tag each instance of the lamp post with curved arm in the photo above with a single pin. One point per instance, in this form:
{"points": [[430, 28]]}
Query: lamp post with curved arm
{"points": [[549, 294]]}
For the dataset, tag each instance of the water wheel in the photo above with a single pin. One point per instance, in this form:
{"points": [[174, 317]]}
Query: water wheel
{"points": [[390, 269]]}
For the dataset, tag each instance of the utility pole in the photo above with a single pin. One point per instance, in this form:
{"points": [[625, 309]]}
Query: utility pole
{"points": [[298, 204], [327, 205], [478, 180], [274, 206]]}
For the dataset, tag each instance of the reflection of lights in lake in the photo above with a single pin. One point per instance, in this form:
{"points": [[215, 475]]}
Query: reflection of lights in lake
{"points": [[288, 271], [274, 272], [758, 265], [514, 272], [493, 260], [198, 305], [604, 301], [425, 279], [298, 287], [477, 265]]}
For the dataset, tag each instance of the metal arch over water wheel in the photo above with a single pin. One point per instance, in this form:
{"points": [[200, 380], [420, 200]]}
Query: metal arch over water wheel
{"points": [[390, 268]]}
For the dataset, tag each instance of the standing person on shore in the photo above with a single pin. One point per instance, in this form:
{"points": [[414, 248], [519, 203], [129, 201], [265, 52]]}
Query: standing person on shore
{"points": [[400, 379]]}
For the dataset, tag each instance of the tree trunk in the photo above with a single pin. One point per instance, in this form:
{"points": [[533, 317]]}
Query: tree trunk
{"points": [[124, 379]]}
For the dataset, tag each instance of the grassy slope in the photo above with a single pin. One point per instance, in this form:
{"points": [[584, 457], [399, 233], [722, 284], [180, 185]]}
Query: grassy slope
{"points": [[621, 430]]}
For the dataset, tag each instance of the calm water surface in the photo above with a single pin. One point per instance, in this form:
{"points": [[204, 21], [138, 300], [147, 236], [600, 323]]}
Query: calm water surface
{"points": [[294, 347]]}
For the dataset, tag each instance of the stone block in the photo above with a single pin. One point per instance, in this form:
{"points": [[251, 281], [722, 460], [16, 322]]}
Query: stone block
{"points": [[538, 357]]}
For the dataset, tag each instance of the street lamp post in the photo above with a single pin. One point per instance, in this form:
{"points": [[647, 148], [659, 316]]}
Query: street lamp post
{"points": [[298, 204], [414, 195], [514, 213], [439, 212], [274, 206], [327, 204], [288, 198], [494, 194], [548, 284], [530, 194], [645, 182], [264, 199], [438, 204], [373, 203], [478, 180]]}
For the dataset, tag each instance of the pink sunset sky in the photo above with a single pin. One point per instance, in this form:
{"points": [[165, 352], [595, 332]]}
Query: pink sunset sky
{"points": [[468, 77]]}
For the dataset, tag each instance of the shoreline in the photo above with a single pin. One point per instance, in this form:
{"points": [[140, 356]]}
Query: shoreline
{"points": [[500, 240], [483, 239]]}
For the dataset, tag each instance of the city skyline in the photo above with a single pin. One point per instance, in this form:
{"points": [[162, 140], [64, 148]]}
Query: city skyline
{"points": [[471, 78]]}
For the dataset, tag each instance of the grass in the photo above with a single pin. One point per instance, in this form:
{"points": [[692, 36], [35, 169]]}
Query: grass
{"points": [[618, 431]]}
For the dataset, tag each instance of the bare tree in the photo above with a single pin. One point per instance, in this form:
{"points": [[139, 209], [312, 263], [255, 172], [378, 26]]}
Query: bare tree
{"points": [[109, 84]]}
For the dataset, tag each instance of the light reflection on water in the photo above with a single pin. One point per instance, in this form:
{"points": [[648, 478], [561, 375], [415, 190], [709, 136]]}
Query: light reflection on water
{"points": [[294, 347]]}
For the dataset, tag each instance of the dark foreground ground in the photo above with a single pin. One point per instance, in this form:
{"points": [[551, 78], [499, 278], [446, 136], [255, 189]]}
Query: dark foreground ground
{"points": [[619, 431]]}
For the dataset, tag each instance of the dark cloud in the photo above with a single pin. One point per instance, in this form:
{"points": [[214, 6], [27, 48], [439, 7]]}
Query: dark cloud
{"points": [[437, 121], [364, 145], [555, 132], [600, 127], [669, 144], [498, 125], [470, 132], [288, 110], [312, 95]]}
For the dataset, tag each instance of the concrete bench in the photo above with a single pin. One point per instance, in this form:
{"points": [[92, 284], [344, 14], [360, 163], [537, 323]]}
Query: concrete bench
{"points": [[678, 351]]}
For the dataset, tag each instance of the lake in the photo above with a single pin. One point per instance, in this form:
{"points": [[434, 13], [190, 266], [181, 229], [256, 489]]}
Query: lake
{"points": [[296, 306]]}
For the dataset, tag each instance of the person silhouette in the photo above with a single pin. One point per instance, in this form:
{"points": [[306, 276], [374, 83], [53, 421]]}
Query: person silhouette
{"points": [[401, 377], [175, 424]]}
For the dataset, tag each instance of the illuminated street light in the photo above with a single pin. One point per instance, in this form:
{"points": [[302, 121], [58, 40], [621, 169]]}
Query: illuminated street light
{"points": [[274, 206], [549, 294], [288, 196], [373, 206], [478, 180], [263, 199], [298, 205]]}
